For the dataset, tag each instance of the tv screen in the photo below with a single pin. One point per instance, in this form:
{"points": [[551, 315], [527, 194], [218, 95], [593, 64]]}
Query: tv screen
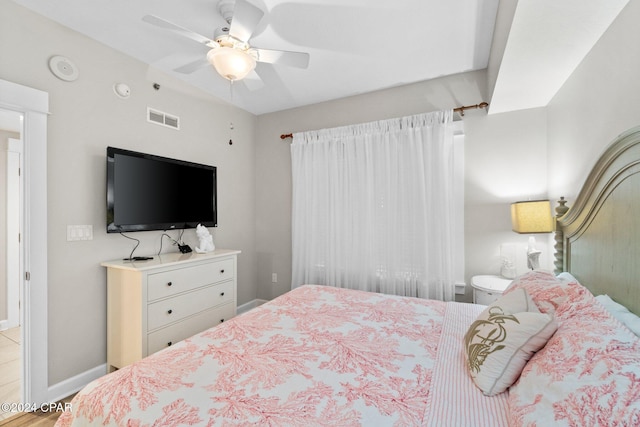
{"points": [[148, 192]]}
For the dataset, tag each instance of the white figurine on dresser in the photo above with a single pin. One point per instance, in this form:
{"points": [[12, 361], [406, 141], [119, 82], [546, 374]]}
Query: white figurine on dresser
{"points": [[205, 240]]}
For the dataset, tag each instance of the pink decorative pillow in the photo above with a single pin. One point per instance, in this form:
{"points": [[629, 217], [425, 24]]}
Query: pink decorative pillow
{"points": [[549, 292]]}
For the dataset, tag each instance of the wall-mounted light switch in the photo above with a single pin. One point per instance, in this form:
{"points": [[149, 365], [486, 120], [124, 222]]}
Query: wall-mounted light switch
{"points": [[274, 277]]}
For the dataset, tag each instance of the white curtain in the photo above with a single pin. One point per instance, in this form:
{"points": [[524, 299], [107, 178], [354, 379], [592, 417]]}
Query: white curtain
{"points": [[373, 207]]}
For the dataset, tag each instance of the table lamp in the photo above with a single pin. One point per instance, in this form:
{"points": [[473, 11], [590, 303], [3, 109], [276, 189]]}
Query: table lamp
{"points": [[532, 217]]}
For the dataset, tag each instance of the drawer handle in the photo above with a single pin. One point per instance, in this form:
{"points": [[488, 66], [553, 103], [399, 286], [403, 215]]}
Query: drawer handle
{"points": [[222, 271], [221, 294], [169, 344], [169, 284], [169, 311]]}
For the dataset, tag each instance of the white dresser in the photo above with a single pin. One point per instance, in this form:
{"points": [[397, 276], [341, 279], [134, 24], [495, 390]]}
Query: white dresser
{"points": [[154, 304]]}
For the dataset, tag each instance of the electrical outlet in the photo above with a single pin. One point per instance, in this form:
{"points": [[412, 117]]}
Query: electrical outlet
{"points": [[274, 277], [79, 232]]}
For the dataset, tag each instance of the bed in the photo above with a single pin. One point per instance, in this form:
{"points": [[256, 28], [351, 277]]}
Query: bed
{"points": [[548, 352]]}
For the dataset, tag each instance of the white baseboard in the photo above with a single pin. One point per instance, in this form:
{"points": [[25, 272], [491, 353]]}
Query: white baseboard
{"points": [[249, 305], [71, 385], [6, 324]]}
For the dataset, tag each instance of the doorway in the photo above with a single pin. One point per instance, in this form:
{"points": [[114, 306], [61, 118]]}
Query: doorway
{"points": [[32, 105], [10, 257]]}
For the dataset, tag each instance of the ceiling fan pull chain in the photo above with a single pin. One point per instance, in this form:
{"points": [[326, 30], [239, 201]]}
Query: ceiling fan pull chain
{"points": [[231, 123]]}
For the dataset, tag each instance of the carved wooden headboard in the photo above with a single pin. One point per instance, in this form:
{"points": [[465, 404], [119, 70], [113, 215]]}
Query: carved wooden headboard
{"points": [[599, 236]]}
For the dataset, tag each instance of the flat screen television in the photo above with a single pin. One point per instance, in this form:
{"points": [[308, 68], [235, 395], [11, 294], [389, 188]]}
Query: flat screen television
{"points": [[148, 192]]}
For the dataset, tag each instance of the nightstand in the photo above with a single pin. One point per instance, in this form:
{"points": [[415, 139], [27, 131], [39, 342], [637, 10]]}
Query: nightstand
{"points": [[487, 288]]}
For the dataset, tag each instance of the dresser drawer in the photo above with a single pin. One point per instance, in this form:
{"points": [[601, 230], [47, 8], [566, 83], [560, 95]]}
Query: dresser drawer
{"points": [[167, 283], [163, 312], [190, 326]]}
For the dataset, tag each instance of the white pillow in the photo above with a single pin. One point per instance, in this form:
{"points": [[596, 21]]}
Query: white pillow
{"points": [[503, 338], [621, 313], [567, 277]]}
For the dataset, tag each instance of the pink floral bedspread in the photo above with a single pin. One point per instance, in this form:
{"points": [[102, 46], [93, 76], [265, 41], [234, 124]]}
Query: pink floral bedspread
{"points": [[312, 357], [588, 374]]}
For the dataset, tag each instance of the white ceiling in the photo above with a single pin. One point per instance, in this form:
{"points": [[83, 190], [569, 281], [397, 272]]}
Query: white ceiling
{"points": [[355, 46], [547, 40], [359, 46]]}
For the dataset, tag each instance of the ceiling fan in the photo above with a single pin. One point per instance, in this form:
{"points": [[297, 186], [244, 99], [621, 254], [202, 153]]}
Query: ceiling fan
{"points": [[231, 53]]}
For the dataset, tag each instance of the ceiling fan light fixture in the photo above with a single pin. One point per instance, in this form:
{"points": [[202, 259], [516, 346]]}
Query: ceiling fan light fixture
{"points": [[232, 64]]}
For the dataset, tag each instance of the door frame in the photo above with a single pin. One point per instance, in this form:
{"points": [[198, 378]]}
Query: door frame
{"points": [[14, 217], [33, 104]]}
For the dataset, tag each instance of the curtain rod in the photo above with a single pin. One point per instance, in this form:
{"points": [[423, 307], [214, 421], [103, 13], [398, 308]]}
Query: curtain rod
{"points": [[456, 110], [470, 107]]}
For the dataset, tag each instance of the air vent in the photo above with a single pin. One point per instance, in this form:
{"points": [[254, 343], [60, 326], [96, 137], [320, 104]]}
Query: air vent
{"points": [[164, 119]]}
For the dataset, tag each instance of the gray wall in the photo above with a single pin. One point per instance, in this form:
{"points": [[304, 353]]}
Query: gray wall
{"points": [[599, 101], [86, 117]]}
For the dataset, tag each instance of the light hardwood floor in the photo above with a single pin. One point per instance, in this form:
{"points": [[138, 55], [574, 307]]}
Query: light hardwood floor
{"points": [[32, 419], [9, 368], [10, 385]]}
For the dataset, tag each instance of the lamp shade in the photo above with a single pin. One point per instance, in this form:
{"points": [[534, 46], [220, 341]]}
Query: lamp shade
{"points": [[532, 217], [232, 64]]}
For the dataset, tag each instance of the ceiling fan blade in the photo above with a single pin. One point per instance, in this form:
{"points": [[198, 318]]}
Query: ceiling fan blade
{"points": [[245, 20], [159, 22], [292, 59], [192, 66], [253, 81]]}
